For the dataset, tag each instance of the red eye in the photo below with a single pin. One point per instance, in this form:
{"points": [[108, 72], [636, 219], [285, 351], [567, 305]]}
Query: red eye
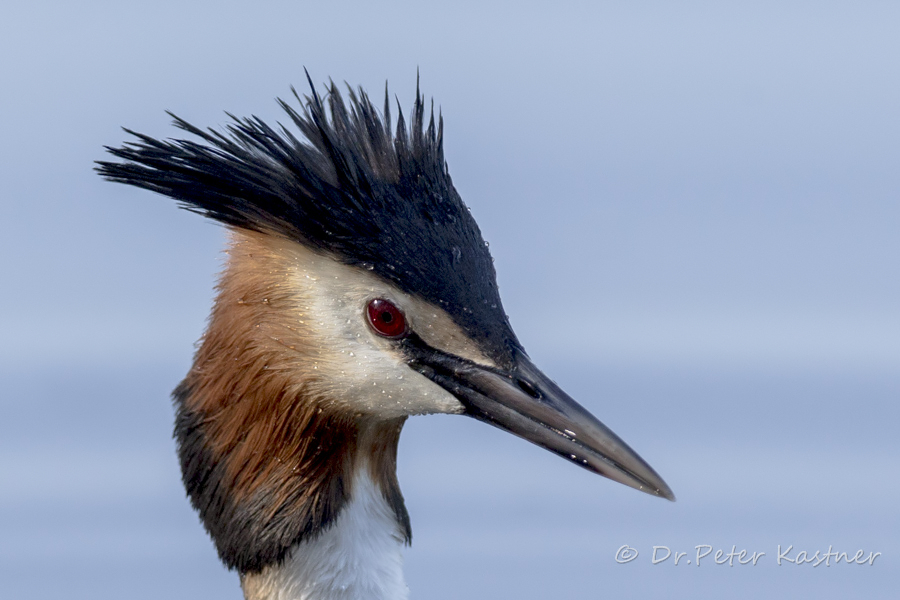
{"points": [[386, 319]]}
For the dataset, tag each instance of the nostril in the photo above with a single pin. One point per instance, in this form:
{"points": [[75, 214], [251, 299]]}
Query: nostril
{"points": [[529, 389]]}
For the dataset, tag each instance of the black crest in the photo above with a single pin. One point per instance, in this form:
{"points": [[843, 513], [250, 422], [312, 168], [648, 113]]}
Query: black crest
{"points": [[349, 185]]}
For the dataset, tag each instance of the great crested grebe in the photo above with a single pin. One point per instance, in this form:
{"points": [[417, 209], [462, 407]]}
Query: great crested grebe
{"points": [[358, 291]]}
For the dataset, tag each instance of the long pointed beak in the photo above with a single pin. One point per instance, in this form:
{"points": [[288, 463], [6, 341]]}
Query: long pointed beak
{"points": [[527, 403]]}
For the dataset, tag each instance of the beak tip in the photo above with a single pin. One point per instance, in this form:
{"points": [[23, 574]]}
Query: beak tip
{"points": [[664, 492]]}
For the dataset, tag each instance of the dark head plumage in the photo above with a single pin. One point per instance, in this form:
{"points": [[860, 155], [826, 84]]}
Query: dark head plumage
{"points": [[350, 186]]}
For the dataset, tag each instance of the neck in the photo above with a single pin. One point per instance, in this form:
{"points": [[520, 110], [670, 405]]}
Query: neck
{"points": [[357, 558], [325, 496]]}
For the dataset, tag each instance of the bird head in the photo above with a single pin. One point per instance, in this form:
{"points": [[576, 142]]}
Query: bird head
{"points": [[358, 291]]}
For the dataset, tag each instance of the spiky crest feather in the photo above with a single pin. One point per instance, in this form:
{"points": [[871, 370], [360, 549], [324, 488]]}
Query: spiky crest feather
{"points": [[346, 186]]}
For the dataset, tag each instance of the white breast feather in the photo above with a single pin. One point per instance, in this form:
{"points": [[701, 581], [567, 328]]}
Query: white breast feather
{"points": [[358, 558]]}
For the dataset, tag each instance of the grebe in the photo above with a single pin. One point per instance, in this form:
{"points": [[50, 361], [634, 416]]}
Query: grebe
{"points": [[358, 292]]}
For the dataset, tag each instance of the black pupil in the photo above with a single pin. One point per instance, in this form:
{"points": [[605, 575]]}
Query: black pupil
{"points": [[387, 317]]}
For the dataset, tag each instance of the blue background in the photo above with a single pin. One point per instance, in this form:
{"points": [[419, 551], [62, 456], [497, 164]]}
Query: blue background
{"points": [[694, 214]]}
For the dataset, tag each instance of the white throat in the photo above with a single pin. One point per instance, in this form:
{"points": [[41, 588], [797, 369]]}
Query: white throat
{"points": [[357, 558]]}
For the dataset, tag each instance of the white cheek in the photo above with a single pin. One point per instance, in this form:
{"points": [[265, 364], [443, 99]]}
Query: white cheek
{"points": [[360, 368]]}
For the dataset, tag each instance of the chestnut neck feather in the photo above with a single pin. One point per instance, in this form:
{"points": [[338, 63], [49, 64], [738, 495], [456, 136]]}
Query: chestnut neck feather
{"points": [[266, 460]]}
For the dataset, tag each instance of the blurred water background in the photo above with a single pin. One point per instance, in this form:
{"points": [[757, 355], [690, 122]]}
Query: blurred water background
{"points": [[693, 211]]}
